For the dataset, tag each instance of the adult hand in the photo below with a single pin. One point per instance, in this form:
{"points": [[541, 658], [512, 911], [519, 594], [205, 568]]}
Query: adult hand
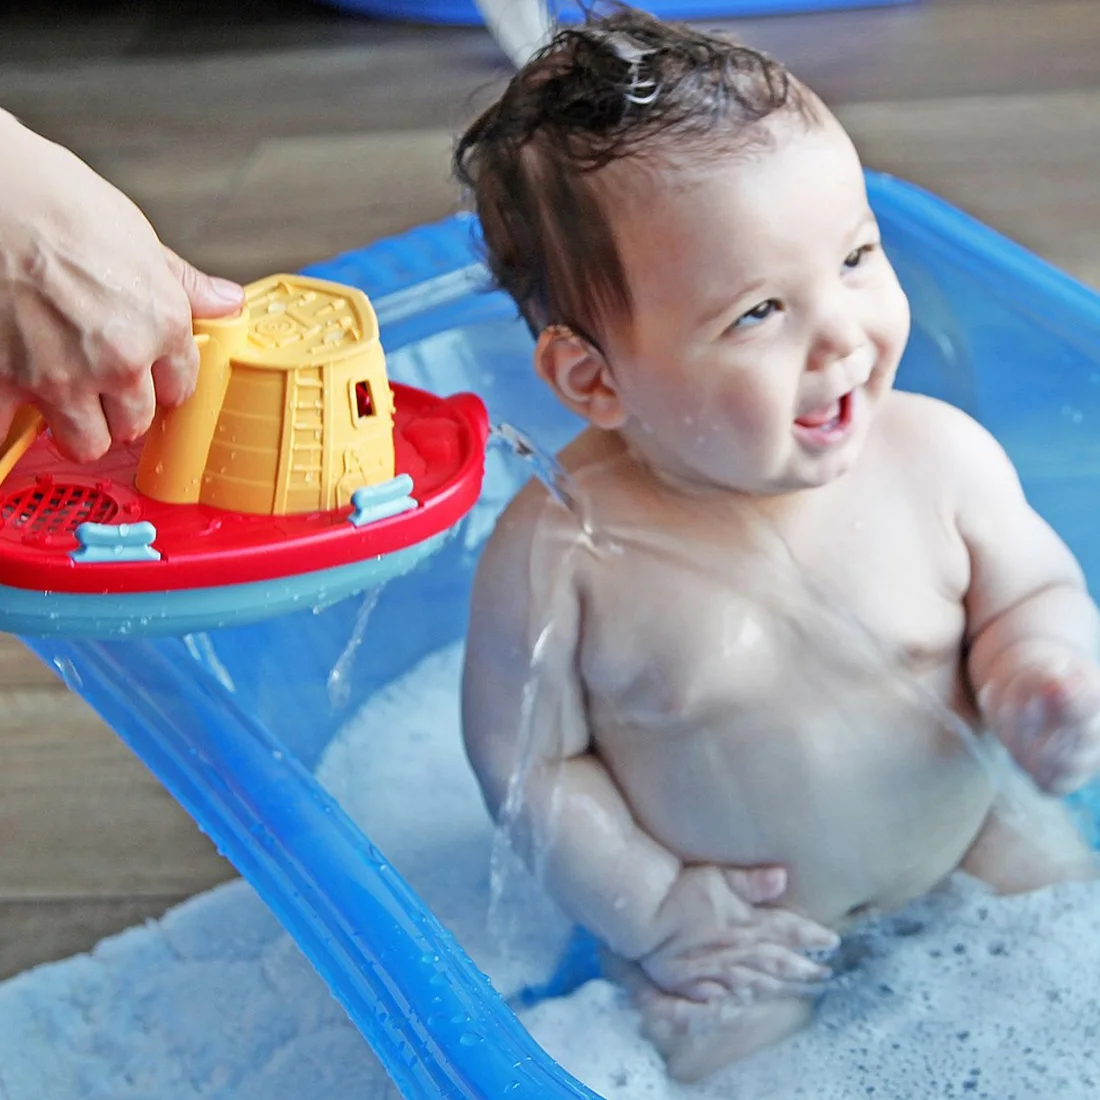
{"points": [[95, 313]]}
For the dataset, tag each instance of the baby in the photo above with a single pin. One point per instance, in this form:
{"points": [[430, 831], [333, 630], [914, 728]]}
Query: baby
{"points": [[720, 770]]}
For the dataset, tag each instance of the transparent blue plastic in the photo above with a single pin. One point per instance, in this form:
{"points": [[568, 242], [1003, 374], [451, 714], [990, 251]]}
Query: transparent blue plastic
{"points": [[465, 13], [234, 738]]}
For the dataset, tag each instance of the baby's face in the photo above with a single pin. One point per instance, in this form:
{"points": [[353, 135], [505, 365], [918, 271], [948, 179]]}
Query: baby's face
{"points": [[768, 322]]}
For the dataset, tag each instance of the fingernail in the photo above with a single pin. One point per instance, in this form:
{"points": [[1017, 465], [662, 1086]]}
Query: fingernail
{"points": [[826, 941], [225, 290], [710, 991], [772, 881]]}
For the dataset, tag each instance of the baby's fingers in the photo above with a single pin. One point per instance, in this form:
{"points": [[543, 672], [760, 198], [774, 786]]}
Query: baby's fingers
{"points": [[1068, 763], [757, 885], [741, 984], [767, 979], [782, 962], [787, 929], [1055, 738], [762, 972], [1069, 705]]}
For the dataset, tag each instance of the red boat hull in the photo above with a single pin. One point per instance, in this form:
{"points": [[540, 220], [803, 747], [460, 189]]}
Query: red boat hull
{"points": [[439, 443]]}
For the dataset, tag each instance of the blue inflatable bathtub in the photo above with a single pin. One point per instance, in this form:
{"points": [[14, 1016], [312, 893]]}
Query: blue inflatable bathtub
{"points": [[465, 13], [995, 330]]}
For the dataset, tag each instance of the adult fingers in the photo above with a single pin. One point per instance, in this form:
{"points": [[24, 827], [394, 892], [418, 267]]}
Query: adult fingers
{"points": [[129, 412], [210, 296], [174, 376], [79, 427], [9, 402]]}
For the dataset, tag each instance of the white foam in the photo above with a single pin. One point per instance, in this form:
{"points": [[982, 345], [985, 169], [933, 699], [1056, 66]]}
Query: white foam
{"points": [[963, 995]]}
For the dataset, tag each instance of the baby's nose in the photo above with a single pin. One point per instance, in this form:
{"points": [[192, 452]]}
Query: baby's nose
{"points": [[838, 338]]}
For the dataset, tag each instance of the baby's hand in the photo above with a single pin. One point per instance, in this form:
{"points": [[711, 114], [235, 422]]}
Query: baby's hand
{"points": [[1047, 714], [723, 941]]}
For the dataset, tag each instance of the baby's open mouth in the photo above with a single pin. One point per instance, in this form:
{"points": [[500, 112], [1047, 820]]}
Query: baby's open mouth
{"points": [[828, 421]]}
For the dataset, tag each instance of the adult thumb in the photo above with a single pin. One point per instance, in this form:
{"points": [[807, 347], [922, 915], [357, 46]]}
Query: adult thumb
{"points": [[209, 296]]}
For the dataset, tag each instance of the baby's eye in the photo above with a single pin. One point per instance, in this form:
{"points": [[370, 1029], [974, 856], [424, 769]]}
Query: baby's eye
{"points": [[757, 314], [857, 256]]}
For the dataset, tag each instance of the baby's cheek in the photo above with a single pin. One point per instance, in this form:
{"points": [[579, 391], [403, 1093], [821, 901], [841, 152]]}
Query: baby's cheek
{"points": [[893, 320], [720, 418], [756, 414]]}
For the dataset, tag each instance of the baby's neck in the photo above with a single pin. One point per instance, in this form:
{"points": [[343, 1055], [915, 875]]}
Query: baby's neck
{"points": [[695, 489]]}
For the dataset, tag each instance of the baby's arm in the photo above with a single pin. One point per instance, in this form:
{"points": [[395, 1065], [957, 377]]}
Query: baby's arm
{"points": [[1032, 627], [574, 825]]}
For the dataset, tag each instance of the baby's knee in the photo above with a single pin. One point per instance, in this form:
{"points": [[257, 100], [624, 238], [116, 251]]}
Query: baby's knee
{"points": [[1029, 844]]}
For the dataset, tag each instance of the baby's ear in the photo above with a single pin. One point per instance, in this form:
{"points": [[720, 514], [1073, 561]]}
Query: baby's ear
{"points": [[578, 373]]}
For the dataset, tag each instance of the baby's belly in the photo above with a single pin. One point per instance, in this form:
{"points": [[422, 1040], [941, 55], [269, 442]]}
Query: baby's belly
{"points": [[864, 813]]}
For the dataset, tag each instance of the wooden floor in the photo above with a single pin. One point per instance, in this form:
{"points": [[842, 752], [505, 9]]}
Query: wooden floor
{"points": [[259, 136]]}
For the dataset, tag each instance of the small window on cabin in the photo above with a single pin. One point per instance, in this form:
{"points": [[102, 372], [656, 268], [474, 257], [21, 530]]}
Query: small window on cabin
{"points": [[364, 401]]}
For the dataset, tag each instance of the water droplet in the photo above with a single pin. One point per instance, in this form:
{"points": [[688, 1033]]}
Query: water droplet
{"points": [[67, 670]]}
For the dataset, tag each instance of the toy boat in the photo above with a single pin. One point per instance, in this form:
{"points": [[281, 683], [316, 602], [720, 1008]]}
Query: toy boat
{"points": [[295, 476]]}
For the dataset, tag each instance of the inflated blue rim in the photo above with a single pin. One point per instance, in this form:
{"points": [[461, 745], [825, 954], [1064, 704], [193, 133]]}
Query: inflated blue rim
{"points": [[464, 13]]}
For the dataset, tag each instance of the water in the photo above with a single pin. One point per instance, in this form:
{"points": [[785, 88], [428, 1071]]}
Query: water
{"points": [[559, 483], [507, 873], [339, 679], [201, 647]]}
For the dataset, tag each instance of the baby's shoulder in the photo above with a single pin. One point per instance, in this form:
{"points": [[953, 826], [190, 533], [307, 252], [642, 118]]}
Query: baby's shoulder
{"points": [[536, 533], [927, 433], [529, 527], [917, 418], [945, 451]]}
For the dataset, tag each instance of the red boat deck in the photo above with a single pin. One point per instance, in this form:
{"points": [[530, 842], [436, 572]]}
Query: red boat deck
{"points": [[439, 443]]}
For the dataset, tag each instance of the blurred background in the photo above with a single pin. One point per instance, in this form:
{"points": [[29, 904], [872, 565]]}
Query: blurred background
{"points": [[259, 137]]}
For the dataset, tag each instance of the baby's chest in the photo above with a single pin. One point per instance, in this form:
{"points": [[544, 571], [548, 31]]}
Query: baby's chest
{"points": [[666, 641]]}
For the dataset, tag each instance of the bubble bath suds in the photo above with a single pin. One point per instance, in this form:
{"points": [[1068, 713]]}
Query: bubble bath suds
{"points": [[961, 995]]}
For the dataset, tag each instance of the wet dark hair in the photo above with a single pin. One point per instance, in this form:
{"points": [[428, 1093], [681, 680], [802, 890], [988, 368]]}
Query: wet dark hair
{"points": [[619, 85]]}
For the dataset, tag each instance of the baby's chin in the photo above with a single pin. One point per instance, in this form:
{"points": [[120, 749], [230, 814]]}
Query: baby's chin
{"points": [[703, 483], [827, 469], [795, 472]]}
